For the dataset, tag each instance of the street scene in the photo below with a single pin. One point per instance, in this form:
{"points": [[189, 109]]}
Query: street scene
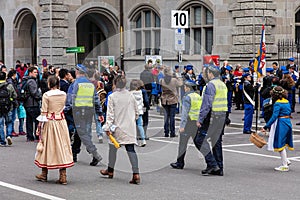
{"points": [[152, 99], [249, 172]]}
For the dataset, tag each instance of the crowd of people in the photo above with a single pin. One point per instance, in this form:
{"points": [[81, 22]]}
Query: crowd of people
{"points": [[65, 102]]}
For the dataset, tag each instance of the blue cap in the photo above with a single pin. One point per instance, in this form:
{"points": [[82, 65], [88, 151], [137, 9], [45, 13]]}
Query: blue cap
{"points": [[283, 68], [291, 59], [246, 69], [285, 72], [176, 66], [190, 83], [81, 68], [189, 67], [229, 68], [269, 70], [245, 75]]}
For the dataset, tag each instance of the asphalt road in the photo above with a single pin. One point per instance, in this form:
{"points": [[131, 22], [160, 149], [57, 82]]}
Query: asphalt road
{"points": [[249, 172]]}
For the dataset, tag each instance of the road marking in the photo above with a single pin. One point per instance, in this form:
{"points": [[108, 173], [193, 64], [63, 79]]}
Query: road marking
{"points": [[237, 145], [233, 133], [160, 127], [28, 191]]}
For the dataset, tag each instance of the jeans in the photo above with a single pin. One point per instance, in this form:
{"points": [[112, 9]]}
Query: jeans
{"points": [[99, 130], [131, 155], [21, 125], [14, 115], [248, 117], [169, 125], [139, 123], [31, 114], [229, 99], [8, 123]]}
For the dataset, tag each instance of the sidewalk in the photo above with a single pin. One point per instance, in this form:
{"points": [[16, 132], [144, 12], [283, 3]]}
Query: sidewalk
{"points": [[236, 117]]}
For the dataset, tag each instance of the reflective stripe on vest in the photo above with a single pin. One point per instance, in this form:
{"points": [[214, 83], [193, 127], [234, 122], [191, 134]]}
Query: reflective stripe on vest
{"points": [[220, 101], [85, 95], [196, 102]]}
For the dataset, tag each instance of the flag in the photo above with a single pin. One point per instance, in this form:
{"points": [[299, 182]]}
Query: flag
{"points": [[260, 59]]}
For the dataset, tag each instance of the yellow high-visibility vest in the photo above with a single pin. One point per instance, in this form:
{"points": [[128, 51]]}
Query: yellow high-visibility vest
{"points": [[196, 102], [220, 101], [85, 95]]}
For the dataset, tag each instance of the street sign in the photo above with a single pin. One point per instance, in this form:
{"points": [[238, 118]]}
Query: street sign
{"points": [[180, 19], [44, 62], [75, 50], [179, 39]]}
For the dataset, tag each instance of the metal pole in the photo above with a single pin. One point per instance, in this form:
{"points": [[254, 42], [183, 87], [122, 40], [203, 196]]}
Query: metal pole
{"points": [[121, 35]]}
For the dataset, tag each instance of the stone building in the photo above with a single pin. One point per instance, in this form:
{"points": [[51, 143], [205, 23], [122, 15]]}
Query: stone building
{"points": [[33, 30]]}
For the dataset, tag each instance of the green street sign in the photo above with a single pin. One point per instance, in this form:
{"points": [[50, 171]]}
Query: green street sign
{"points": [[75, 50]]}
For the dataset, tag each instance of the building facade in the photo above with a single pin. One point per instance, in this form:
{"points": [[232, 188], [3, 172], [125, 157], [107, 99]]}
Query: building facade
{"points": [[129, 30]]}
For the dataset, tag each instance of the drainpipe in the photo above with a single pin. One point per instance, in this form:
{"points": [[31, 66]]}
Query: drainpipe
{"points": [[121, 35]]}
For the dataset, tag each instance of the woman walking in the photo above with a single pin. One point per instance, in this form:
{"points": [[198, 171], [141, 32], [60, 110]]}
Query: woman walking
{"points": [[53, 131], [280, 127], [121, 116]]}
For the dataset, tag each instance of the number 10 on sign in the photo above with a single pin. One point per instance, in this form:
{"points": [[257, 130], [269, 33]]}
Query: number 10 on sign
{"points": [[180, 19]]}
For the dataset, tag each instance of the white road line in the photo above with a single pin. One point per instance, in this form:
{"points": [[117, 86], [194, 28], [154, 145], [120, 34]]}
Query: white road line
{"points": [[229, 150], [32, 192], [233, 133], [237, 145], [160, 127]]}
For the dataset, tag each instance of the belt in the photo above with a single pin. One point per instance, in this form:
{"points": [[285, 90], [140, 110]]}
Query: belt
{"points": [[287, 116]]}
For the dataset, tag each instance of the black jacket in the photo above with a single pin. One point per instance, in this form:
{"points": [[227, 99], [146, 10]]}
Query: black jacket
{"points": [[147, 77]]}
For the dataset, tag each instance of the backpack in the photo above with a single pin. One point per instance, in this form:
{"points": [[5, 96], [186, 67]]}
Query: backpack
{"points": [[5, 102], [23, 92]]}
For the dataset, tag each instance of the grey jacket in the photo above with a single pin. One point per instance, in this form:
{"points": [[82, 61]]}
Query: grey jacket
{"points": [[35, 97]]}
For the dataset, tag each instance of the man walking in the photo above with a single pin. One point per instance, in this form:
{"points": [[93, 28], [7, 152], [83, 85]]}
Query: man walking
{"points": [[83, 99]]}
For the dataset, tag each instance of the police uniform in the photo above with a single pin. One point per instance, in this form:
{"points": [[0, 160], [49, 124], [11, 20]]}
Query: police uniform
{"points": [[213, 111]]}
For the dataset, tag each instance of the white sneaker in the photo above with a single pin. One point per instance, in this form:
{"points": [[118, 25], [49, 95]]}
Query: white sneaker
{"points": [[143, 143], [9, 141], [282, 168], [100, 138]]}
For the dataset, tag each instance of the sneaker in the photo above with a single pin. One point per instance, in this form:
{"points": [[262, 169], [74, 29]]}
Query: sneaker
{"points": [[100, 138], [9, 141], [282, 168], [95, 161], [289, 162], [212, 171], [143, 143], [14, 134], [22, 133], [3, 145]]}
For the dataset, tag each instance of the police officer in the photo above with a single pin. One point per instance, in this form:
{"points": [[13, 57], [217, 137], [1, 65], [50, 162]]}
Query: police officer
{"points": [[213, 112], [83, 99], [191, 103]]}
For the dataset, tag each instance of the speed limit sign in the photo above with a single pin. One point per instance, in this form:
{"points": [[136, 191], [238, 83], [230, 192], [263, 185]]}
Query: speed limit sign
{"points": [[180, 19]]}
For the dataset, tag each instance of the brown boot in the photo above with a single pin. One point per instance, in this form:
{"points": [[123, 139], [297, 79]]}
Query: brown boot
{"points": [[136, 179], [105, 172], [62, 176], [43, 176]]}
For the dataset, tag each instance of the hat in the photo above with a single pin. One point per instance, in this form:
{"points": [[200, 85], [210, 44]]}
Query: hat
{"points": [[246, 69], [229, 68], [285, 72], [283, 68], [176, 66], [269, 70], [291, 59], [189, 67], [190, 83], [246, 75], [81, 68]]}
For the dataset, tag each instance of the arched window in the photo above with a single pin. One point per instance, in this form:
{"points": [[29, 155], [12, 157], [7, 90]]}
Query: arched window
{"points": [[199, 35], [297, 26], [147, 32]]}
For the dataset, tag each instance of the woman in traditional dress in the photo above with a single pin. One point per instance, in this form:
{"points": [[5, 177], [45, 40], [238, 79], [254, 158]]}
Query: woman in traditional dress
{"points": [[54, 134], [280, 127], [121, 116]]}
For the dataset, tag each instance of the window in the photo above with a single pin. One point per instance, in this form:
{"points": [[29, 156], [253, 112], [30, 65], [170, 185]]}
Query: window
{"points": [[297, 27], [147, 33], [199, 35]]}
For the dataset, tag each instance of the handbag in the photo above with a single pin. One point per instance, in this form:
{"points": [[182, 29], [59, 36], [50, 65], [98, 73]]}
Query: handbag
{"points": [[40, 144]]}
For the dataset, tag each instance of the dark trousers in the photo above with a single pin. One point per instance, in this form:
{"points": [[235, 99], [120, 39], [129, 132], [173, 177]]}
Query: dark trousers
{"points": [[169, 124], [31, 114], [112, 156], [189, 132]]}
